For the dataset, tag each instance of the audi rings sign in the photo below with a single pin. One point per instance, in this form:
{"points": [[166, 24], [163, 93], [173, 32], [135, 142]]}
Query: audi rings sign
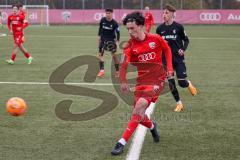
{"points": [[205, 16], [75, 16]]}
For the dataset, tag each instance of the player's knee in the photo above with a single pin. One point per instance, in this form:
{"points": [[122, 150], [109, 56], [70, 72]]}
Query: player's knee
{"points": [[183, 83], [172, 84], [139, 112], [140, 106]]}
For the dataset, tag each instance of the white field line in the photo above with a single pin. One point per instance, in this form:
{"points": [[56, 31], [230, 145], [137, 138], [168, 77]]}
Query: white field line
{"points": [[3, 34], [47, 83], [139, 136]]}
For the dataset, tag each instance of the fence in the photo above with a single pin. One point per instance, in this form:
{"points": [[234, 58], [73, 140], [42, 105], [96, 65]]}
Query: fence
{"points": [[129, 4]]}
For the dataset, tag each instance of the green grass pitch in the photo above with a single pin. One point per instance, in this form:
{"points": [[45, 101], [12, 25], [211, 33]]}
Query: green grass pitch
{"points": [[207, 129]]}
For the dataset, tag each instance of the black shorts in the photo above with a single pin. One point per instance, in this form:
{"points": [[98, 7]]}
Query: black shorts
{"points": [[181, 70], [108, 45], [179, 67]]}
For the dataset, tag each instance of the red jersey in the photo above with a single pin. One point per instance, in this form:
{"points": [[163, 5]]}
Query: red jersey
{"points": [[17, 23], [148, 18], [146, 55], [23, 13]]}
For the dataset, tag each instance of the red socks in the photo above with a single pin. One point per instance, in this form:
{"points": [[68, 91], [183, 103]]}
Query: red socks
{"points": [[133, 123], [27, 55], [147, 122], [13, 57]]}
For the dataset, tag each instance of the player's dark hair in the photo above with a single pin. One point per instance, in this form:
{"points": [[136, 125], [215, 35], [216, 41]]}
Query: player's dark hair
{"points": [[15, 5], [170, 8], [109, 10], [136, 17], [20, 5]]}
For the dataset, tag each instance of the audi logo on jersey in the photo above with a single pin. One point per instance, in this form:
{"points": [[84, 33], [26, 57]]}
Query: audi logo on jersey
{"points": [[146, 57], [210, 16]]}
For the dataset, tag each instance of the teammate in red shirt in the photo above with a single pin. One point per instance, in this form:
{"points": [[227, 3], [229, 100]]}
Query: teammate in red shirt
{"points": [[22, 10], [149, 21], [16, 24], [144, 51]]}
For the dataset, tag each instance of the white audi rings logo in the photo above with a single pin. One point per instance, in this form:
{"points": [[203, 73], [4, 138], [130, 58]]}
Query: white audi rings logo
{"points": [[98, 16], [146, 57], [210, 16], [4, 16]]}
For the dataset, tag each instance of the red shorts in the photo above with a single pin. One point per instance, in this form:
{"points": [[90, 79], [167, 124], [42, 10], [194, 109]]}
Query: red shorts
{"points": [[146, 92], [18, 38]]}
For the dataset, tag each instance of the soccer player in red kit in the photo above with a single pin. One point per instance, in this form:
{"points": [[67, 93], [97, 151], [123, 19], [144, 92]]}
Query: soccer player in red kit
{"points": [[16, 24], [22, 10], [144, 51], [149, 21]]}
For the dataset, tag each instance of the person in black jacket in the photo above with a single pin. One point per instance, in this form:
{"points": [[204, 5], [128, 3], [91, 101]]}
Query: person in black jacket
{"points": [[109, 35], [178, 41]]}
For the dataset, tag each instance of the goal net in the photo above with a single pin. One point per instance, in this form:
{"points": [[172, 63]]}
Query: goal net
{"points": [[35, 14]]}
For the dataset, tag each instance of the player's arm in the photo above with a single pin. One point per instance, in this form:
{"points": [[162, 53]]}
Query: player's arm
{"points": [[184, 38], [158, 30], [152, 20], [100, 29], [168, 56], [9, 24], [24, 12], [123, 69], [25, 24], [117, 31]]}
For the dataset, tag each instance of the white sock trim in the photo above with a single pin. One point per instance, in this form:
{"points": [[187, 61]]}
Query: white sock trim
{"points": [[152, 127], [179, 102], [122, 141]]}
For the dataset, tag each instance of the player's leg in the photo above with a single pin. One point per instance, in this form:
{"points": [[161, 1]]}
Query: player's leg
{"points": [[147, 122], [101, 60], [26, 53], [148, 28], [175, 93], [14, 54], [111, 46], [174, 90], [116, 64], [140, 109], [182, 81], [138, 117]]}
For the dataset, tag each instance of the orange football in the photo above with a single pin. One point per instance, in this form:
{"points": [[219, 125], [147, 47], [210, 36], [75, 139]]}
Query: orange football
{"points": [[16, 106]]}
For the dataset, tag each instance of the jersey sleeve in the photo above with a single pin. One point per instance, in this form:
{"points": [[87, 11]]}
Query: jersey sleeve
{"points": [[100, 27], [25, 22], [9, 23], [158, 30], [167, 52], [117, 30], [124, 62], [184, 37]]}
